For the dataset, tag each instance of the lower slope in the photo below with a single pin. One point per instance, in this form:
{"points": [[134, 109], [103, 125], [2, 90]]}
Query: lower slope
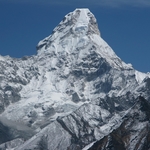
{"points": [[132, 134]]}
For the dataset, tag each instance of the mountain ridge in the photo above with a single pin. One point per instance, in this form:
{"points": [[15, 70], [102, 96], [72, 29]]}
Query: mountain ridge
{"points": [[73, 92], [133, 133]]}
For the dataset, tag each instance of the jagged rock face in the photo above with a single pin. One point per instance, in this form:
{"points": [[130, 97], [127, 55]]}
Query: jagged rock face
{"points": [[76, 130], [91, 122], [78, 24], [11, 144], [14, 74], [133, 133], [144, 88], [73, 91]]}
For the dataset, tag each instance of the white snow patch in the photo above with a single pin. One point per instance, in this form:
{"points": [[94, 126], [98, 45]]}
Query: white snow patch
{"points": [[88, 146], [2, 58], [140, 76]]}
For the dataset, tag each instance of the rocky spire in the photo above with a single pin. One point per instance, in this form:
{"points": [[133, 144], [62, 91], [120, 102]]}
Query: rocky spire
{"points": [[79, 23]]}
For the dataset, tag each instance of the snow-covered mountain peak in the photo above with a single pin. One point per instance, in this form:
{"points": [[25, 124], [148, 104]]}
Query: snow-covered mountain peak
{"points": [[75, 91], [82, 16], [85, 22], [78, 34], [75, 27]]}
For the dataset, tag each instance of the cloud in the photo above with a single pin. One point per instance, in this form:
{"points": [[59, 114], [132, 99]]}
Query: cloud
{"points": [[103, 3]]}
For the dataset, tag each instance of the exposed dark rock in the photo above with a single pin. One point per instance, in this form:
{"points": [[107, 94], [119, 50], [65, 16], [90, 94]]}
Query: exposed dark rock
{"points": [[133, 133], [75, 98]]}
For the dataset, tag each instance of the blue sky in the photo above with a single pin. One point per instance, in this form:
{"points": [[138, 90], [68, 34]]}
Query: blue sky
{"points": [[124, 25]]}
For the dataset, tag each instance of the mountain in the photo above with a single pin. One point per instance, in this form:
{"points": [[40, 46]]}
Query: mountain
{"points": [[73, 92], [133, 133]]}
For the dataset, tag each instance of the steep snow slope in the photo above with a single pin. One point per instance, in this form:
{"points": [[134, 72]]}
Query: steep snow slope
{"points": [[75, 73]]}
